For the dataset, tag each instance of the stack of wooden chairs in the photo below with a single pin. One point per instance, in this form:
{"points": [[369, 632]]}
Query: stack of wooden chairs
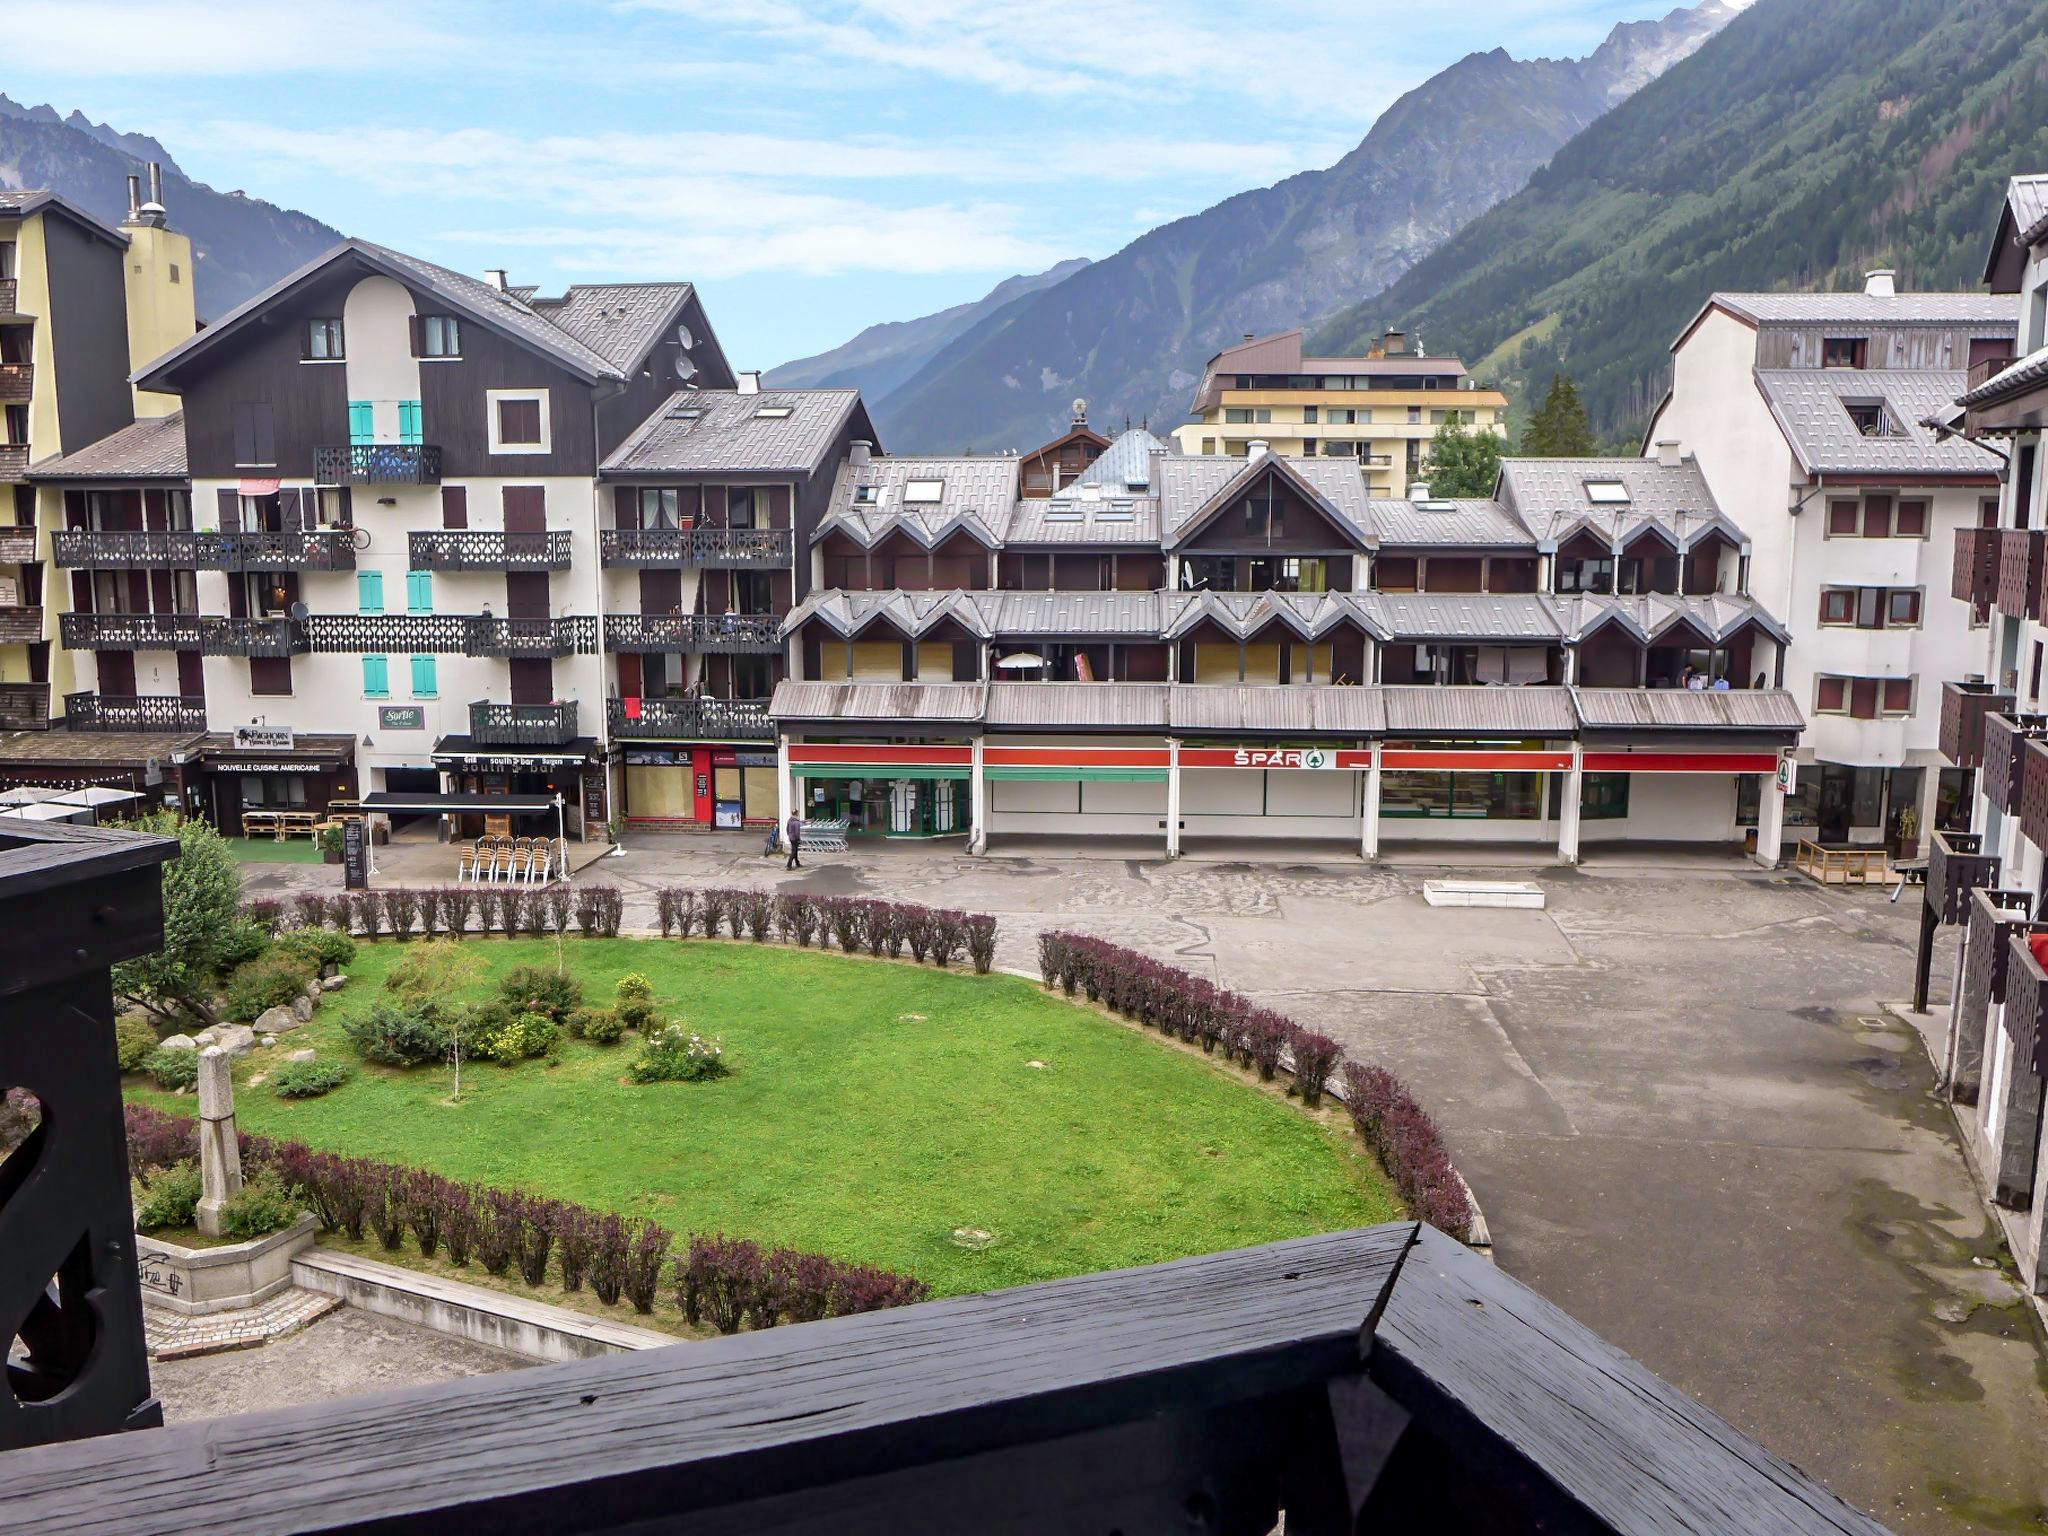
{"points": [[513, 861]]}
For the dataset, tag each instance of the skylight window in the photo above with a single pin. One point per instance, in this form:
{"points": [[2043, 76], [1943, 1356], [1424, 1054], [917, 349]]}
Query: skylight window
{"points": [[927, 492], [774, 412], [1063, 514], [866, 495], [1116, 514], [685, 413], [1607, 493]]}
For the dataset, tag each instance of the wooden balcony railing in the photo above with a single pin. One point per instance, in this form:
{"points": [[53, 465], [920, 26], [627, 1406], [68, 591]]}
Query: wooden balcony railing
{"points": [[493, 724], [2005, 733], [1993, 916], [9, 295], [574, 636], [2034, 790], [24, 706], [1956, 866], [713, 548], [1974, 577], [478, 549], [1985, 369], [13, 463], [2020, 565], [1963, 708], [122, 549], [2026, 998], [20, 626], [724, 633], [131, 712], [688, 719], [18, 544], [310, 549], [253, 637], [129, 631], [377, 464], [17, 383], [418, 634]]}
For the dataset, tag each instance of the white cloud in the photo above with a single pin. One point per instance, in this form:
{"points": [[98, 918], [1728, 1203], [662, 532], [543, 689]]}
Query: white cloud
{"points": [[106, 38]]}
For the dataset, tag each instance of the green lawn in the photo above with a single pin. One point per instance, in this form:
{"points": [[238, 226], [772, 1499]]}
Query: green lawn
{"points": [[873, 1109], [264, 850]]}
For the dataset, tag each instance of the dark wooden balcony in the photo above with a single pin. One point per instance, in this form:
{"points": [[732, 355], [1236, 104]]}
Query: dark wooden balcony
{"points": [[1985, 369], [2019, 572], [1956, 866], [2034, 790], [129, 631], [522, 725], [2026, 998], [13, 463], [17, 383], [420, 634], [309, 549], [711, 548], [9, 295], [123, 549], [740, 634], [2005, 733], [690, 719], [24, 706], [131, 712], [20, 626], [18, 544], [253, 637], [575, 636], [477, 549], [1993, 917], [1974, 577], [1963, 708], [377, 464]]}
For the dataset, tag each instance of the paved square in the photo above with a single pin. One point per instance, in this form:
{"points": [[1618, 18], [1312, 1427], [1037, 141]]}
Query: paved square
{"points": [[1674, 1092]]}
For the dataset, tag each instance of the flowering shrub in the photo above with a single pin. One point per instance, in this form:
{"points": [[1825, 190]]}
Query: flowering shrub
{"points": [[633, 1000], [524, 1035], [1397, 1130], [674, 1054]]}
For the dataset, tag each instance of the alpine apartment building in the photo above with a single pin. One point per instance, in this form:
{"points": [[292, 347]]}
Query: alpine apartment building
{"points": [[1379, 411], [1807, 412]]}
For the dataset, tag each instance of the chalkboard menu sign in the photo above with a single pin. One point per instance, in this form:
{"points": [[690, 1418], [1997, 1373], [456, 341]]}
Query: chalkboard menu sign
{"points": [[355, 862], [594, 817]]}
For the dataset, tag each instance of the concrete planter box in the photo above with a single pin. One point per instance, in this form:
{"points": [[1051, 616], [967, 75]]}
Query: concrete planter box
{"points": [[195, 1281], [1482, 893]]}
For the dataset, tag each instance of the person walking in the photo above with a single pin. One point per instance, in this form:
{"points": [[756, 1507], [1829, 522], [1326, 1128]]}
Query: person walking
{"points": [[793, 838]]}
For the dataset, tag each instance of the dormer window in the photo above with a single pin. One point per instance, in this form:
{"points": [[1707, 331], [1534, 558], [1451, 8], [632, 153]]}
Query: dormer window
{"points": [[1843, 351], [924, 492], [1871, 419], [1607, 493]]}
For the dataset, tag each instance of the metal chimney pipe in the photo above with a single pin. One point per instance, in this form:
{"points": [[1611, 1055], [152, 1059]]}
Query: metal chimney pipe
{"points": [[156, 183], [134, 198]]}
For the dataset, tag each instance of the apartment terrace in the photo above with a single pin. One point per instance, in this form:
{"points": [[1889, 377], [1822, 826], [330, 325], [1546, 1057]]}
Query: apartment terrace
{"points": [[132, 712], [377, 464], [315, 549], [689, 719], [694, 633], [476, 549], [708, 548]]}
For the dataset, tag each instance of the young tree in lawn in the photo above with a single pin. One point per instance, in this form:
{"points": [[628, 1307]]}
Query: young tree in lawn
{"points": [[202, 909], [1559, 429], [1462, 461]]}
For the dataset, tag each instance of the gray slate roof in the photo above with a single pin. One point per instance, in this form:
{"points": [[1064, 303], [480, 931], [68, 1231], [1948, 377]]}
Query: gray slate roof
{"points": [[1191, 485], [727, 433], [1085, 706], [1807, 403], [1306, 710], [1995, 312], [2027, 196], [27, 201], [1535, 711], [1126, 462], [1737, 709], [976, 493], [618, 321], [2025, 374], [946, 702], [1481, 524], [1075, 613], [1550, 498], [150, 449]]}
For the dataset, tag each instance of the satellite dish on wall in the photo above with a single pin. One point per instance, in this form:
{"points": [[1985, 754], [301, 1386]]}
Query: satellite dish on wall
{"points": [[683, 336], [299, 611], [685, 369]]}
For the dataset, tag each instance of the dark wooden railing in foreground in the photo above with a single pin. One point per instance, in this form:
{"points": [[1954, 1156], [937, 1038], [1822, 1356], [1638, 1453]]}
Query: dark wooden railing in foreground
{"points": [[1379, 1380], [73, 902]]}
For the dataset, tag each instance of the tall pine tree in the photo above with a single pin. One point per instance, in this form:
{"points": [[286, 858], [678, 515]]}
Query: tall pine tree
{"points": [[1559, 429]]}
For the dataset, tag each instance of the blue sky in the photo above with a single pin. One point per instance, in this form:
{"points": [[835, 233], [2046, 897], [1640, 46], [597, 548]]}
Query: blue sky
{"points": [[814, 165]]}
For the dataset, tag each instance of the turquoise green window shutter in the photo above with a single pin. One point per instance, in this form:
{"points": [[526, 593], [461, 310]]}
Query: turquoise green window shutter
{"points": [[377, 677], [362, 423], [409, 421], [423, 677], [370, 591], [419, 591]]}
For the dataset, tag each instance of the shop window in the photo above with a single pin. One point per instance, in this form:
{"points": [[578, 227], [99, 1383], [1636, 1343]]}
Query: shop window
{"points": [[1460, 796], [1604, 797]]}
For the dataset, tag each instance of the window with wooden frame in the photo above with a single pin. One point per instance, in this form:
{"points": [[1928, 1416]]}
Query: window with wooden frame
{"points": [[1877, 517], [1843, 351], [1838, 605], [1830, 695], [1911, 522], [1863, 698], [518, 421], [1842, 519], [323, 340], [436, 336], [1902, 608]]}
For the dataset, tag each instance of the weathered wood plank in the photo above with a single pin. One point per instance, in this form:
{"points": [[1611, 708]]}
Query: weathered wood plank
{"points": [[1543, 1404], [650, 1436]]}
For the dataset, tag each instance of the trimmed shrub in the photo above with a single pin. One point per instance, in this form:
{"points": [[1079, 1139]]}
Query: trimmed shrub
{"points": [[916, 923], [863, 1288], [537, 1219], [1410, 1147], [730, 1283], [307, 1079], [736, 914], [384, 1209], [265, 912], [157, 1140], [676, 908], [500, 1214], [366, 909], [981, 942], [170, 1198], [646, 1257], [575, 1242], [848, 923], [401, 911], [318, 947], [799, 1288], [1265, 1034], [502, 906], [1315, 1058], [673, 1054], [134, 1041], [455, 1213], [533, 912], [312, 908], [586, 911], [721, 1280], [528, 1034], [559, 901], [456, 905], [633, 1000], [421, 1199], [876, 919], [710, 911], [273, 979], [394, 1035], [610, 1244], [172, 1070], [760, 913], [537, 989], [797, 917], [606, 1027], [949, 936], [611, 910]]}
